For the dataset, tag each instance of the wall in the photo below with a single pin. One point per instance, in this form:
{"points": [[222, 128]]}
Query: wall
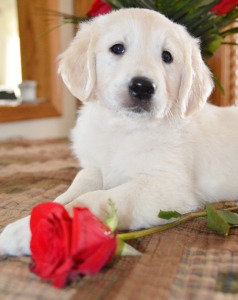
{"points": [[10, 45], [51, 127]]}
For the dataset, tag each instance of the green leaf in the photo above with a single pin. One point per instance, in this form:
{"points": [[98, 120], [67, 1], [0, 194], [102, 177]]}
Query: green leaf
{"points": [[115, 4], [218, 82], [183, 9], [230, 217], [211, 44], [216, 221], [169, 214], [145, 4], [230, 43], [229, 31]]}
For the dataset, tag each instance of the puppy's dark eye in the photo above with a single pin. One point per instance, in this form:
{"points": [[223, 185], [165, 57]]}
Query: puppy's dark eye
{"points": [[118, 49], [167, 57]]}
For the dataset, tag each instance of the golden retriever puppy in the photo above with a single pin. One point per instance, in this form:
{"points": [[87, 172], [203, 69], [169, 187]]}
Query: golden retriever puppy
{"points": [[146, 138]]}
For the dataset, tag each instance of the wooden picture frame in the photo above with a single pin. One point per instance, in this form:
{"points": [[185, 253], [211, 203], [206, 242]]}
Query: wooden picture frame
{"points": [[224, 66], [39, 51]]}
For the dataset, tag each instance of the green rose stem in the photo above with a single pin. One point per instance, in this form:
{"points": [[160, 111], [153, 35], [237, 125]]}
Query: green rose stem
{"points": [[141, 233]]}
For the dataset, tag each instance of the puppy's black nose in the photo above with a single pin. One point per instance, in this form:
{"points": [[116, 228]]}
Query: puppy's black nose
{"points": [[141, 88]]}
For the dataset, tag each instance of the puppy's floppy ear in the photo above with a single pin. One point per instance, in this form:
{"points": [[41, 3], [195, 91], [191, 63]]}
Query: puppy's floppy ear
{"points": [[196, 81], [77, 63]]}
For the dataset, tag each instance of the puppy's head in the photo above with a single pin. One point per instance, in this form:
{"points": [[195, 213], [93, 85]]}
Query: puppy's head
{"points": [[137, 62]]}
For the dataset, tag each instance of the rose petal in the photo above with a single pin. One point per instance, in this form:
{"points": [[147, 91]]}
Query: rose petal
{"points": [[61, 280], [51, 240], [93, 244], [99, 7], [63, 274], [88, 232], [50, 248], [224, 6], [44, 210], [99, 258]]}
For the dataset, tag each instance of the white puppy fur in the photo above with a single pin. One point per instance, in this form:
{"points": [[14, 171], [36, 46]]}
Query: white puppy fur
{"points": [[170, 151]]}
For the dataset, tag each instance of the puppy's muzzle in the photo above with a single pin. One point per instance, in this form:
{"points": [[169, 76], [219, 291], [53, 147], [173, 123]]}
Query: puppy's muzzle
{"points": [[141, 91]]}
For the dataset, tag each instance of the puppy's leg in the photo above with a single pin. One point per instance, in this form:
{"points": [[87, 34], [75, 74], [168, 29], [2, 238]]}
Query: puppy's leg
{"points": [[87, 180], [138, 202], [128, 199], [15, 238]]}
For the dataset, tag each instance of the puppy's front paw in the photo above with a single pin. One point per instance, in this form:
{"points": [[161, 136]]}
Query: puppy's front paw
{"points": [[98, 203], [15, 238]]}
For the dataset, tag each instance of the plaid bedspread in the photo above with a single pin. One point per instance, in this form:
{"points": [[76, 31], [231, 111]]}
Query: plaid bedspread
{"points": [[186, 262]]}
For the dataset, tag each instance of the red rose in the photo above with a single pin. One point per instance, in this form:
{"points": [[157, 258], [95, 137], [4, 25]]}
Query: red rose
{"points": [[224, 6], [63, 247], [99, 7]]}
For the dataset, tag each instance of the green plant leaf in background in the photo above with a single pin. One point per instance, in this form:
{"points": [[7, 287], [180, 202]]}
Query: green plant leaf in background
{"points": [[218, 82], [229, 31], [211, 44]]}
